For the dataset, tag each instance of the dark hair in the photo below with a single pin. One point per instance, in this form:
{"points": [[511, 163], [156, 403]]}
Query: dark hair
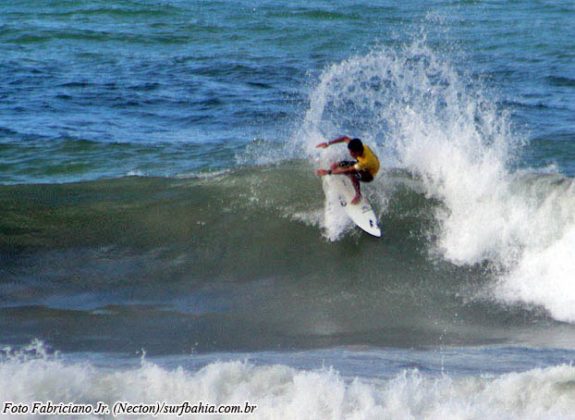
{"points": [[355, 145]]}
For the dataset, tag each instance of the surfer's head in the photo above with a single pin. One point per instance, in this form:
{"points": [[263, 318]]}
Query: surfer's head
{"points": [[355, 147]]}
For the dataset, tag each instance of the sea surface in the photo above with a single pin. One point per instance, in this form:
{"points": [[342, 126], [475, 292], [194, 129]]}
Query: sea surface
{"points": [[163, 237]]}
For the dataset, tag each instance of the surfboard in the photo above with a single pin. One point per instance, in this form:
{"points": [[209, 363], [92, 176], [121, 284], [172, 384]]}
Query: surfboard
{"points": [[340, 189]]}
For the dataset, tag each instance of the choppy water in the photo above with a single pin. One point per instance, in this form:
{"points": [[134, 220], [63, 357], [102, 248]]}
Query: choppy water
{"points": [[157, 193]]}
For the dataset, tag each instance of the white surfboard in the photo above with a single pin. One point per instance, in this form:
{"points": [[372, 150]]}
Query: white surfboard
{"points": [[341, 188]]}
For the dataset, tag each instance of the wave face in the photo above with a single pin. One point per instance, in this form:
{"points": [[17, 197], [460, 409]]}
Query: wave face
{"points": [[238, 260], [425, 117]]}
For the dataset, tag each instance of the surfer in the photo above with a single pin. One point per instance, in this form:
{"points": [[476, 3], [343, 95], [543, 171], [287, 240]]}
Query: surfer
{"points": [[363, 169]]}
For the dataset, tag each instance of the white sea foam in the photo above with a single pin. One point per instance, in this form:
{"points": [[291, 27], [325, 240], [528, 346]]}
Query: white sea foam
{"points": [[423, 115], [282, 392]]}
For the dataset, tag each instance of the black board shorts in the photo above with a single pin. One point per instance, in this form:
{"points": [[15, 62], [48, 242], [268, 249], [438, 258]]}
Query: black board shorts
{"points": [[363, 176]]}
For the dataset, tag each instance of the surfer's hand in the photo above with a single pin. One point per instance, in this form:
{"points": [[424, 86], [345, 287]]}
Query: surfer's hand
{"points": [[322, 172], [323, 145], [356, 199]]}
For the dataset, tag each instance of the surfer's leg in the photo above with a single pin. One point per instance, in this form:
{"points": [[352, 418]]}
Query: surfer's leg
{"points": [[342, 164], [355, 181]]}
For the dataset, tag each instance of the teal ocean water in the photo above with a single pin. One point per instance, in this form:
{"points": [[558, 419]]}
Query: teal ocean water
{"points": [[163, 236]]}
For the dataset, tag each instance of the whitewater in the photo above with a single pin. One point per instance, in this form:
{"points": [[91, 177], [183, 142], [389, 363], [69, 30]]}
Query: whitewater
{"points": [[284, 392], [425, 118]]}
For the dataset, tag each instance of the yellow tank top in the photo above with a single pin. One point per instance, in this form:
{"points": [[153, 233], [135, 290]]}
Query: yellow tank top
{"points": [[368, 161]]}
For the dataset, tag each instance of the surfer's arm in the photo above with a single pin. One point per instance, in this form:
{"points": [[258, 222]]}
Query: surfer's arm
{"points": [[342, 139]]}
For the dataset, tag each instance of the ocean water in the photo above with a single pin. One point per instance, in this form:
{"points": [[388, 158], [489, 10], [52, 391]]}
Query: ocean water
{"points": [[163, 237]]}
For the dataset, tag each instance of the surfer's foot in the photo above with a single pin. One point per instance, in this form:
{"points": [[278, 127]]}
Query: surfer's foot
{"points": [[356, 199], [322, 172]]}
